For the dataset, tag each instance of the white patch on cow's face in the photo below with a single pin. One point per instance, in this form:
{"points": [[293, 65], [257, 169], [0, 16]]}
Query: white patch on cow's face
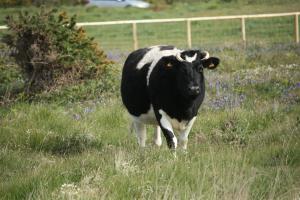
{"points": [[191, 59], [147, 118], [153, 56]]}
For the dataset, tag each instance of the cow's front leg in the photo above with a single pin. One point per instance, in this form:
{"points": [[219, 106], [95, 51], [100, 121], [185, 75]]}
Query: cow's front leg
{"points": [[183, 137], [166, 128], [140, 130], [157, 136]]}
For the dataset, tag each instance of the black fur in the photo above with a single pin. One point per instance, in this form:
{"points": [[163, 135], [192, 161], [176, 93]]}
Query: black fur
{"points": [[134, 84], [168, 90]]}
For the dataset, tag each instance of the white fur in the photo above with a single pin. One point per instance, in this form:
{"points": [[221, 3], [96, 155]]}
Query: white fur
{"points": [[157, 55], [184, 127], [165, 122], [148, 57], [153, 56], [147, 118], [191, 59], [183, 137], [178, 126], [175, 141], [157, 136], [139, 126]]}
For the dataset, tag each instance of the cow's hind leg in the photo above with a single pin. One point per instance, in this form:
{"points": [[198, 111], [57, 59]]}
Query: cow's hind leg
{"points": [[157, 136], [140, 130]]}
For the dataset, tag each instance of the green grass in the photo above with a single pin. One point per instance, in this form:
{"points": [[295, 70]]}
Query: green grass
{"points": [[245, 143], [238, 149]]}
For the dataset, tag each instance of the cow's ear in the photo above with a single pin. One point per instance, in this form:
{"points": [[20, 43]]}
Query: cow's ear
{"points": [[211, 63], [169, 62]]}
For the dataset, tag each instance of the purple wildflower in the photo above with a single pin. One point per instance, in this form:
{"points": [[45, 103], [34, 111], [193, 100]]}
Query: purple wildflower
{"points": [[87, 110]]}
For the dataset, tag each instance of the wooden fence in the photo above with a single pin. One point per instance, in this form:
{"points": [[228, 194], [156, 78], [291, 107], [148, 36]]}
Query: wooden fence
{"points": [[189, 37]]}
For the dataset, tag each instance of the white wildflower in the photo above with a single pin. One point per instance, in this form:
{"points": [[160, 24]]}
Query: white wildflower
{"points": [[123, 164], [69, 190]]}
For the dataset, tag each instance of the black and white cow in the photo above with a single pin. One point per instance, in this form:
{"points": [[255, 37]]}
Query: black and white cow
{"points": [[164, 86]]}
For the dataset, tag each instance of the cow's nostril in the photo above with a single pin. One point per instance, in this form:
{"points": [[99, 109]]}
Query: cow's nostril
{"points": [[194, 89]]}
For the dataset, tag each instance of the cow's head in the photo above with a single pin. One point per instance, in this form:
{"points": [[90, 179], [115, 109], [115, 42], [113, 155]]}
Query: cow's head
{"points": [[188, 69]]}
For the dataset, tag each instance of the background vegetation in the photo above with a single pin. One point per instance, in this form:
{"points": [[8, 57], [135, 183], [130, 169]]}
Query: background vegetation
{"points": [[52, 54], [51, 51], [13, 3], [74, 142], [204, 34]]}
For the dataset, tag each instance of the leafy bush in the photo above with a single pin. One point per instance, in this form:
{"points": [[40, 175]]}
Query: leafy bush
{"points": [[97, 90], [51, 51], [8, 70], [10, 76]]}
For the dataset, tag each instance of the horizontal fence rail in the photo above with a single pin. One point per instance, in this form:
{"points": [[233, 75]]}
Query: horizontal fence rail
{"points": [[188, 21]]}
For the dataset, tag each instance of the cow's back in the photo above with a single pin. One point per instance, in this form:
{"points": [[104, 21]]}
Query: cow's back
{"points": [[134, 84]]}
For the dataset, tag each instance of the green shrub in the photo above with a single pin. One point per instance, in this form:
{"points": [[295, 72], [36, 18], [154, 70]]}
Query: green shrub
{"points": [[98, 90], [10, 76], [8, 70], [51, 51]]}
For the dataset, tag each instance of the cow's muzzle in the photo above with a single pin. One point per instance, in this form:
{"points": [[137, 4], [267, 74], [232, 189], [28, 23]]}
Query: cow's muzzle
{"points": [[194, 90]]}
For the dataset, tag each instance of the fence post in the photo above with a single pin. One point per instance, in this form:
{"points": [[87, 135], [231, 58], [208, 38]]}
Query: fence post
{"points": [[243, 29], [134, 35], [296, 28], [189, 33]]}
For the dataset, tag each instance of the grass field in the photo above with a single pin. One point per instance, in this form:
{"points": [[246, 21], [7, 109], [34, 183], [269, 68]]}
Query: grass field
{"points": [[245, 144]]}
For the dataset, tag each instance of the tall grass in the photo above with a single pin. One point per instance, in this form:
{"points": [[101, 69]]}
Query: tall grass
{"points": [[244, 144]]}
